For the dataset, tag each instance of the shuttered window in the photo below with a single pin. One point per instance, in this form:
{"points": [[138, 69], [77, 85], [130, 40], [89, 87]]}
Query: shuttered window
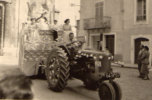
{"points": [[141, 10], [99, 10]]}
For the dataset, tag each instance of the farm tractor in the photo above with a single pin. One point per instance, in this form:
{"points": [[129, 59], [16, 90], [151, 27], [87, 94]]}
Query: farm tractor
{"points": [[60, 61]]}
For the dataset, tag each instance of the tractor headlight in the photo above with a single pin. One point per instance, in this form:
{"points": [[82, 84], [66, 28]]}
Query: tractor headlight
{"points": [[91, 55], [77, 56], [109, 58], [100, 57], [112, 57], [84, 54], [79, 51], [94, 57]]}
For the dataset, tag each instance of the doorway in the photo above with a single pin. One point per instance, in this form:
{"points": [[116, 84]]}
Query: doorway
{"points": [[138, 42], [110, 43]]}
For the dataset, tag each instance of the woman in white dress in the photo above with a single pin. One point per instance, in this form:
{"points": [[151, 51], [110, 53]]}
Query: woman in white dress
{"points": [[66, 30]]}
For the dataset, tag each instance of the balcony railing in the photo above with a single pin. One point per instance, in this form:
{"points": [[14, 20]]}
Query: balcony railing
{"points": [[93, 23]]}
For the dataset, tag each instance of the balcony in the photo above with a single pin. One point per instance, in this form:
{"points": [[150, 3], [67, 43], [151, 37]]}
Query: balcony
{"points": [[93, 23]]}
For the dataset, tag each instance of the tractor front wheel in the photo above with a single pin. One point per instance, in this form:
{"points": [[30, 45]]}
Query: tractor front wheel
{"points": [[106, 91], [117, 90], [57, 71]]}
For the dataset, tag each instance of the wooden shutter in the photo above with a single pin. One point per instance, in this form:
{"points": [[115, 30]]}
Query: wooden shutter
{"points": [[141, 10], [99, 10], [144, 9]]}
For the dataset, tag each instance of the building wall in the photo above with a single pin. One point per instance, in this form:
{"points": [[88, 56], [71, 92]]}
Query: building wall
{"points": [[123, 24], [87, 10], [133, 30], [112, 8], [17, 13], [10, 25]]}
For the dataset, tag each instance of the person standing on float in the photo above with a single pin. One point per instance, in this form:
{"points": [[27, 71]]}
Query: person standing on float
{"points": [[66, 30]]}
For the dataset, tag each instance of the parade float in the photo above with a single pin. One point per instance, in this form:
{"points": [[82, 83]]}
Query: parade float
{"points": [[58, 61], [41, 54]]}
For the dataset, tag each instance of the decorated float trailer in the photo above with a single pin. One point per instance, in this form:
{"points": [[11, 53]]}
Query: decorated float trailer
{"points": [[59, 61]]}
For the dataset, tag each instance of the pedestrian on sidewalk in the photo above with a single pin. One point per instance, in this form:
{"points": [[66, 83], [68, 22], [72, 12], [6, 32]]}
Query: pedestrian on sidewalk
{"points": [[145, 63], [139, 59]]}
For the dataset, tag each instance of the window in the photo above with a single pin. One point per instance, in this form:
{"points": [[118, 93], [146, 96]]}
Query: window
{"points": [[99, 10], [96, 42], [141, 10]]}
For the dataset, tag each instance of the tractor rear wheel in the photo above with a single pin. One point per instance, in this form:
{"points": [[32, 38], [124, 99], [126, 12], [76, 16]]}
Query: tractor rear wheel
{"points": [[57, 71], [117, 90], [106, 91]]}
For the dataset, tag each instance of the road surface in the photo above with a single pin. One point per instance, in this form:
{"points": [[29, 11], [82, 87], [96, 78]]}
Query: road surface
{"points": [[133, 88]]}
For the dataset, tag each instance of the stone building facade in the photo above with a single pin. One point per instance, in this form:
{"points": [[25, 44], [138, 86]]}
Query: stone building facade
{"points": [[118, 25], [8, 24], [13, 13]]}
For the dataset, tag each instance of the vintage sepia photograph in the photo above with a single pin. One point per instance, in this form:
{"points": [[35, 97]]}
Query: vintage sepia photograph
{"points": [[75, 50]]}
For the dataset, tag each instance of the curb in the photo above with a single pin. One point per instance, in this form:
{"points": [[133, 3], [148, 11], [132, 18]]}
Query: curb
{"points": [[123, 66]]}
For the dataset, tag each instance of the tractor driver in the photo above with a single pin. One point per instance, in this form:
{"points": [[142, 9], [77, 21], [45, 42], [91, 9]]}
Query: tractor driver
{"points": [[71, 38]]}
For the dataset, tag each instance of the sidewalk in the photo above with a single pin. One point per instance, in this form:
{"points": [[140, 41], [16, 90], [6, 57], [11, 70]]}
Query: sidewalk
{"points": [[8, 62], [135, 66]]}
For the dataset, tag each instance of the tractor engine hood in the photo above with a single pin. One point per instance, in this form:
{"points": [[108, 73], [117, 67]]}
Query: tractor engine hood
{"points": [[95, 54]]}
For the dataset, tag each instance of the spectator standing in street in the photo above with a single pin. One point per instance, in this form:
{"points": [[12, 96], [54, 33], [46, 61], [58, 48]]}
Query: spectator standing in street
{"points": [[139, 60], [145, 63]]}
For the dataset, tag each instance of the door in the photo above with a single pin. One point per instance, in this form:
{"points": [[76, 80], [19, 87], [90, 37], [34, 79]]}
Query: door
{"points": [[138, 42], [110, 43]]}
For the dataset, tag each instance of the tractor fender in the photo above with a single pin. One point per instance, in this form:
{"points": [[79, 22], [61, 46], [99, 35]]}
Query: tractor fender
{"points": [[65, 49]]}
